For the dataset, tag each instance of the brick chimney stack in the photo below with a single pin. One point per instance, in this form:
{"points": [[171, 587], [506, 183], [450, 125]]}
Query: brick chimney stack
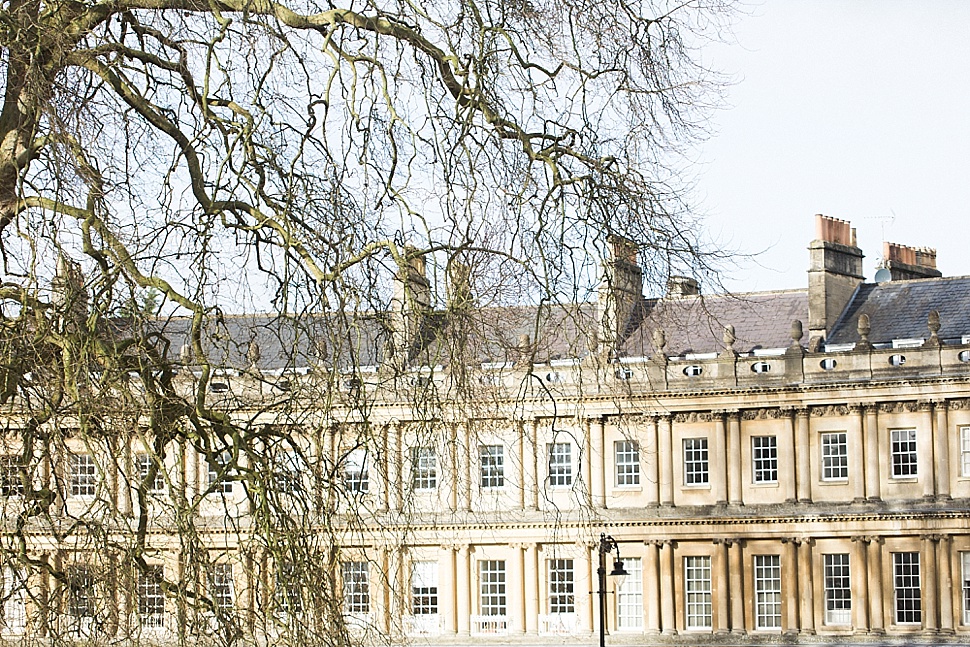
{"points": [[620, 293], [834, 273], [906, 262]]}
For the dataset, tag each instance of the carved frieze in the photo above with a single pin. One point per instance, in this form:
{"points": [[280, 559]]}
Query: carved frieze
{"points": [[693, 416], [898, 407], [830, 410], [767, 413]]}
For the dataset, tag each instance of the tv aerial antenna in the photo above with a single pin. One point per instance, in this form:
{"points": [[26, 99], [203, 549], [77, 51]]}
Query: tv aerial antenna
{"points": [[882, 273]]}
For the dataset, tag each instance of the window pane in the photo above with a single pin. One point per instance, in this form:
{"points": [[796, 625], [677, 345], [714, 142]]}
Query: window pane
{"points": [[356, 478], [220, 586], [561, 595], [906, 588], [697, 593], [838, 590], [424, 588], [492, 460], [492, 578], [84, 475], [424, 468], [903, 447], [219, 476], [151, 601], [560, 464], [629, 600], [767, 591], [695, 461], [764, 459], [356, 577], [835, 456], [627, 454]]}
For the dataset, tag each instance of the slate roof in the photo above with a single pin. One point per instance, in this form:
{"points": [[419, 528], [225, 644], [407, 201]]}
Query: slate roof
{"points": [[696, 324], [898, 310]]}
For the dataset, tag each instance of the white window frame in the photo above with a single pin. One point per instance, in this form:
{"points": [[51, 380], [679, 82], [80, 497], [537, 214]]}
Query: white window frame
{"points": [[965, 586], [764, 459], [424, 588], [143, 463], [493, 600], [965, 451], [356, 582], [216, 473], [84, 475], [560, 464], [697, 466], [356, 476], [561, 598], [424, 468], [288, 593], [837, 586], [903, 453], [491, 460], [907, 600], [629, 596], [767, 592], [10, 482], [698, 603], [222, 587], [151, 599], [834, 453], [627, 461], [14, 601], [81, 593]]}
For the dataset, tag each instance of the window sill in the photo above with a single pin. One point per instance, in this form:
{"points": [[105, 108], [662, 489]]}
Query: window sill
{"points": [[834, 482], [768, 484], [699, 486], [627, 488], [904, 479]]}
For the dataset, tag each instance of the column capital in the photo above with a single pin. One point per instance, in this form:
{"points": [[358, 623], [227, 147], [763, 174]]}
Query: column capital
{"points": [[862, 539], [795, 541], [940, 404], [870, 407], [801, 412], [932, 537], [924, 405]]}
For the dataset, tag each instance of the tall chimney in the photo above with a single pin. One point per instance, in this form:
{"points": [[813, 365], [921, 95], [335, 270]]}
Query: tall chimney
{"points": [[410, 305], [620, 292], [905, 262], [834, 273]]}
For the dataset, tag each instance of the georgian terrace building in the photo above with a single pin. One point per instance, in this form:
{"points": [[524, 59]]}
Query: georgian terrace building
{"points": [[790, 463]]}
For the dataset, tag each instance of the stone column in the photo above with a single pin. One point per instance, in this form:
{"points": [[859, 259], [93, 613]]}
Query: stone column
{"points": [[736, 549], [666, 461], [719, 466], [860, 585], [946, 584], [651, 585], [941, 438], [522, 479], [791, 573], [125, 469], [722, 587], [386, 592], [532, 589], [38, 594], [530, 466], [734, 458], [668, 595], [449, 582], [518, 589], [929, 578], [803, 456], [871, 433], [876, 611], [924, 444], [395, 462], [467, 448], [788, 467], [597, 462], [652, 464], [856, 452], [806, 587], [463, 589], [191, 458]]}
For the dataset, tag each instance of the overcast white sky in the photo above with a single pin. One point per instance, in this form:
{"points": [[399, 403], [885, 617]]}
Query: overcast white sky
{"points": [[858, 110]]}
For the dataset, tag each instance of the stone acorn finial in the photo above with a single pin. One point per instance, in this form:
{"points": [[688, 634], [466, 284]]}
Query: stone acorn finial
{"points": [[797, 332], [863, 327], [185, 354], [933, 323], [729, 338], [253, 354], [659, 339]]}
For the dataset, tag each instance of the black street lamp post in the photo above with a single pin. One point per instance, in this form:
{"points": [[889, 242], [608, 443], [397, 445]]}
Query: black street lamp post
{"points": [[607, 546]]}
